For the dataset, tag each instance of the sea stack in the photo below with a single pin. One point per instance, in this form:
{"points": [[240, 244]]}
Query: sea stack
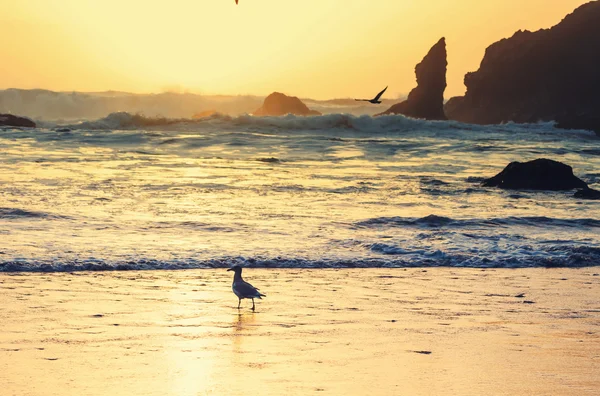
{"points": [[278, 104], [427, 99], [548, 75]]}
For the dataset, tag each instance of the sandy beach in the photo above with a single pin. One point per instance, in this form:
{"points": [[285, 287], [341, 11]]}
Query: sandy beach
{"points": [[351, 332]]}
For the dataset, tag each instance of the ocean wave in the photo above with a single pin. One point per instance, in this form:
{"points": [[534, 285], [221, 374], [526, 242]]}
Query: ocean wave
{"points": [[364, 123], [433, 221], [569, 256], [124, 120]]}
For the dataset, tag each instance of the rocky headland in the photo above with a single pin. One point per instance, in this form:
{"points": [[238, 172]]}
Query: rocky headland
{"points": [[548, 75]]}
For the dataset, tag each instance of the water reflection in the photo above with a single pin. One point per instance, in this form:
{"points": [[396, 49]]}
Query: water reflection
{"points": [[242, 322]]}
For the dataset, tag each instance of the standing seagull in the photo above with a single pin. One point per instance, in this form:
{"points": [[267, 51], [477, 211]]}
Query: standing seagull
{"points": [[243, 289], [375, 100]]}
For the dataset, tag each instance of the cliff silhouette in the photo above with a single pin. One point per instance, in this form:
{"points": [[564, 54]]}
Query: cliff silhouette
{"points": [[427, 99], [548, 75]]}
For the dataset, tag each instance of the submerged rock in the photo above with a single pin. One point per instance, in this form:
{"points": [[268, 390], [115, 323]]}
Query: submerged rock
{"points": [[278, 104], [539, 174], [427, 99], [548, 75], [12, 120], [587, 193]]}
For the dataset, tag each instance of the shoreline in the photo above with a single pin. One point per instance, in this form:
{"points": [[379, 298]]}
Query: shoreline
{"points": [[413, 331]]}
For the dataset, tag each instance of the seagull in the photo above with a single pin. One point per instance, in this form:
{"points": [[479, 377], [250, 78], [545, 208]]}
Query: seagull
{"points": [[375, 100], [243, 289]]}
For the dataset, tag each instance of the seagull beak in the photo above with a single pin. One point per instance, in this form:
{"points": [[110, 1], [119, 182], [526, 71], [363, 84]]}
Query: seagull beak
{"points": [[230, 269]]}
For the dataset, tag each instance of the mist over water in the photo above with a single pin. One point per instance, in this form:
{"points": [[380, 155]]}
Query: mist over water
{"points": [[129, 192], [63, 107]]}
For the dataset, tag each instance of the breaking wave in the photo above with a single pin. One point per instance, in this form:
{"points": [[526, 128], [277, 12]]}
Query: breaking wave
{"points": [[124, 120], [365, 123], [568, 256]]}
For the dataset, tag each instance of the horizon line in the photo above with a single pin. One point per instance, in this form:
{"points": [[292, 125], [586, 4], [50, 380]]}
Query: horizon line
{"points": [[190, 92]]}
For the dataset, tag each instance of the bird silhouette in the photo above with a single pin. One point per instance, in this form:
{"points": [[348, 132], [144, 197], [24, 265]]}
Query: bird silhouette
{"points": [[375, 100], [243, 289]]}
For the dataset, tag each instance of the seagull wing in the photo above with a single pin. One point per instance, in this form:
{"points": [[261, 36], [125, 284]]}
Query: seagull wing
{"points": [[247, 290], [380, 93]]}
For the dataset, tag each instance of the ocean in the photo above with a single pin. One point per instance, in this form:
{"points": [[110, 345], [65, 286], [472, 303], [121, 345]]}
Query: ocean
{"points": [[127, 192]]}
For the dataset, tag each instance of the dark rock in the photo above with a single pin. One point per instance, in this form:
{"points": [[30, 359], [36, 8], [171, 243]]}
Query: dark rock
{"points": [[539, 174], [11, 120], [427, 99], [584, 120], [423, 352], [587, 193], [278, 104], [548, 75], [455, 108]]}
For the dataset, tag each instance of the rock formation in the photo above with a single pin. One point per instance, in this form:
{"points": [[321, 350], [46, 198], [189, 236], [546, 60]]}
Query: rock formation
{"points": [[539, 174], [548, 75], [587, 193], [278, 104], [427, 99], [11, 120]]}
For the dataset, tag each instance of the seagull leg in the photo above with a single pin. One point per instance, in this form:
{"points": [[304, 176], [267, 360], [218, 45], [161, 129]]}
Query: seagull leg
{"points": [[239, 302], [252, 305]]}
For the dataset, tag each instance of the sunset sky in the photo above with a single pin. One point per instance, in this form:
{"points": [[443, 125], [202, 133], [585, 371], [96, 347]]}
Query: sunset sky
{"points": [[308, 48]]}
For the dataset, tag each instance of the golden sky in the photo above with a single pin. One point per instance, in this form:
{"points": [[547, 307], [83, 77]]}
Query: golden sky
{"points": [[308, 48]]}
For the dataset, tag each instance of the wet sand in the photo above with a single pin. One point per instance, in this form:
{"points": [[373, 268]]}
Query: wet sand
{"points": [[433, 331]]}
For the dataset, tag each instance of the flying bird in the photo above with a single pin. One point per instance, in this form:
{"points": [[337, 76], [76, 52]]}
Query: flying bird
{"points": [[243, 289], [375, 100]]}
